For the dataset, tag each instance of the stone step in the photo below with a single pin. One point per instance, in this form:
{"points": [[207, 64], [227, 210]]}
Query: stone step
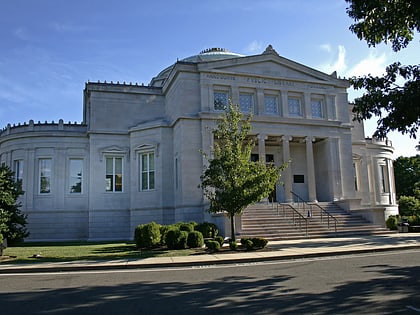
{"points": [[266, 220]]}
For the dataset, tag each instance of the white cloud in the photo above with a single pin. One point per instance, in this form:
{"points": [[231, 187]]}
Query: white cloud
{"points": [[338, 64], [254, 47], [373, 64]]}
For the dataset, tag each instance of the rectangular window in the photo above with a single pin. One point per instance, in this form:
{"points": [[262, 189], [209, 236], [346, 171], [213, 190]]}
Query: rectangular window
{"points": [[383, 176], [316, 108], [356, 183], [221, 100], [298, 179], [75, 176], [45, 176], [295, 106], [271, 105], [18, 169], [246, 103], [114, 174], [255, 157], [147, 171]]}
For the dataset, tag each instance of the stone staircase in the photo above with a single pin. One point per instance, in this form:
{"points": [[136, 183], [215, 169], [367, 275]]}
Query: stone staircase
{"points": [[289, 221]]}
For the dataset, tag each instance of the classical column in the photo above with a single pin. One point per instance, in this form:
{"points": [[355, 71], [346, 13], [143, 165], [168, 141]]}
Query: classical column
{"points": [[261, 147], [310, 165], [288, 171]]}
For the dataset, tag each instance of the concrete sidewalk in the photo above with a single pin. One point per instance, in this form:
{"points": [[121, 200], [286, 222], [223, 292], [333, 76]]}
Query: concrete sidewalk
{"points": [[279, 250]]}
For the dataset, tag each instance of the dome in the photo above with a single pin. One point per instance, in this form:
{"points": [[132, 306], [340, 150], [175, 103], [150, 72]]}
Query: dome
{"points": [[206, 55], [212, 54]]}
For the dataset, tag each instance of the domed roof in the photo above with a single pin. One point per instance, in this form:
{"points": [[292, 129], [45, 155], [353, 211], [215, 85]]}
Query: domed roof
{"points": [[206, 55], [212, 54]]}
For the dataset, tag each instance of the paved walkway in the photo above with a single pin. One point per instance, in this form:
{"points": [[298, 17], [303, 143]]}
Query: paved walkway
{"points": [[279, 250]]}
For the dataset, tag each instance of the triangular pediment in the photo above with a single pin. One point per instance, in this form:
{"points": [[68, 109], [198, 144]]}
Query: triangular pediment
{"points": [[269, 66]]}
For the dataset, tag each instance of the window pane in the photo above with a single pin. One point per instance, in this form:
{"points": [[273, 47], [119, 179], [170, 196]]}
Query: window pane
{"points": [[144, 162], [316, 106], [246, 103], [147, 174], [151, 161], [109, 166], [114, 174], [270, 105], [108, 182], [144, 181], [220, 100], [152, 180], [294, 106], [44, 176], [118, 165], [75, 176], [118, 182], [18, 169]]}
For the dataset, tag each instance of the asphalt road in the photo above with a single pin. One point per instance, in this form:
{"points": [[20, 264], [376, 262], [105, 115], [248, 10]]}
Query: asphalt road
{"points": [[383, 283]]}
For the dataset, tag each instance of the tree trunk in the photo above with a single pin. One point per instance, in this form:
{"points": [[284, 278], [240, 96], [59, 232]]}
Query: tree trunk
{"points": [[232, 229]]}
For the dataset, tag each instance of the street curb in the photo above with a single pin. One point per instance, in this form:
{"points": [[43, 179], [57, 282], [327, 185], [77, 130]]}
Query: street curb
{"points": [[237, 260]]}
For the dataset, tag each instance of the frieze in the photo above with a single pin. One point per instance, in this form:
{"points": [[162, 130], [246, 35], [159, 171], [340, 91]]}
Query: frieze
{"points": [[264, 81]]}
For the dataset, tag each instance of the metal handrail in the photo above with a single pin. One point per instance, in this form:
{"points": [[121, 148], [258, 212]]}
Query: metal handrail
{"points": [[329, 215], [322, 211], [295, 216]]}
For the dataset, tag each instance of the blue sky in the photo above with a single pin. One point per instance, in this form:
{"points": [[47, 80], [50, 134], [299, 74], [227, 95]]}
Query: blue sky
{"points": [[50, 48]]}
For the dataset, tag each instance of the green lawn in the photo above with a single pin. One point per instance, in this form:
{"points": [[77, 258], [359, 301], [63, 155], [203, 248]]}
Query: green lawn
{"points": [[70, 251]]}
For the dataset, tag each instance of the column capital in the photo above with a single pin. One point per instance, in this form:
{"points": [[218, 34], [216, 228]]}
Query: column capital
{"points": [[309, 139], [262, 136], [287, 138]]}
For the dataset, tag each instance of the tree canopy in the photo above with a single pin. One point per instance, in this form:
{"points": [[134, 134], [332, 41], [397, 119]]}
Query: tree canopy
{"points": [[395, 104], [231, 181], [12, 221], [407, 176]]}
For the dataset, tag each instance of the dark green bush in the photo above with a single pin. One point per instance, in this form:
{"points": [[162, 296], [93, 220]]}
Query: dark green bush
{"points": [[247, 243], [259, 242], [219, 239], [392, 222], [213, 246], [147, 235], [195, 239], [244, 239], [176, 239], [209, 230], [188, 227], [163, 230], [233, 245]]}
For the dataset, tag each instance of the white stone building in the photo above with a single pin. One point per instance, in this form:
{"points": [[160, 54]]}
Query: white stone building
{"points": [[136, 155]]}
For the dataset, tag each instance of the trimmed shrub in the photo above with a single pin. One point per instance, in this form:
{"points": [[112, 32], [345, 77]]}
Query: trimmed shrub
{"points": [[195, 239], [213, 246], [233, 245], [147, 235], [392, 222], [209, 230], [259, 242], [163, 231], [244, 239], [219, 239], [247, 243], [188, 227], [176, 239]]}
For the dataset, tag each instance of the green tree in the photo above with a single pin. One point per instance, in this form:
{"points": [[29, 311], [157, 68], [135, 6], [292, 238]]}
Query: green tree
{"points": [[231, 181], [407, 175], [12, 221], [395, 105]]}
